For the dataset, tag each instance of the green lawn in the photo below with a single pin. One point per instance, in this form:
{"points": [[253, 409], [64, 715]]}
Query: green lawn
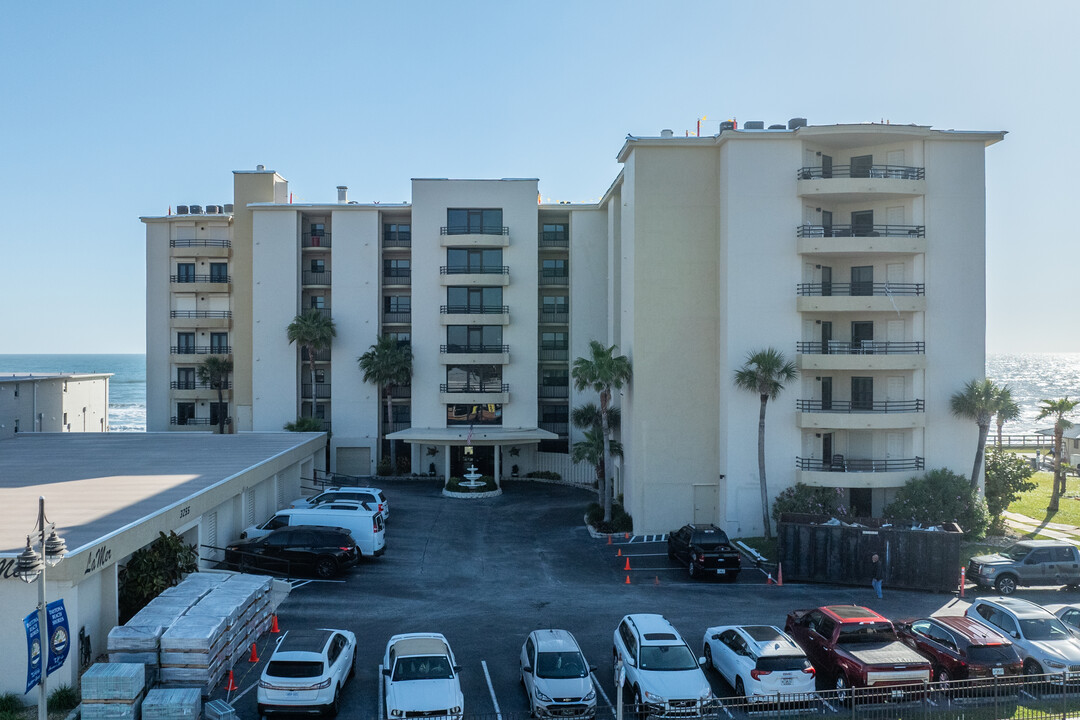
{"points": [[1033, 504]]}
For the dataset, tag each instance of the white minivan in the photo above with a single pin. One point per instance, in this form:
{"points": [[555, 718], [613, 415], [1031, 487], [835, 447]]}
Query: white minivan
{"points": [[367, 525]]}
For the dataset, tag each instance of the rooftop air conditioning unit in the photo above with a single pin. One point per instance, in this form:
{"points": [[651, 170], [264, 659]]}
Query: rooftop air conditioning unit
{"points": [[196, 210], [228, 208], [796, 123], [727, 125], [753, 125], [778, 127], [181, 210]]}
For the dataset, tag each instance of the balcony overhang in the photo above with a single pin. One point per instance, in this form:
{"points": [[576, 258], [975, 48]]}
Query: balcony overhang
{"points": [[843, 189], [474, 398], [475, 240], [474, 358], [861, 245], [475, 279], [477, 435], [824, 478], [861, 303], [474, 319], [860, 421], [809, 361]]}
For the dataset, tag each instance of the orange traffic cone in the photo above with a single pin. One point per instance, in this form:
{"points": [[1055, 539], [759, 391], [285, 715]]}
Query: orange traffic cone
{"points": [[779, 574], [627, 564], [254, 655], [656, 580], [609, 539], [627, 580], [273, 624], [231, 685], [619, 554], [626, 536], [770, 581]]}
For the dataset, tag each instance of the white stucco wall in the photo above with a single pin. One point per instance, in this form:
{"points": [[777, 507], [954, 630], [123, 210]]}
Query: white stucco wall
{"points": [[158, 332]]}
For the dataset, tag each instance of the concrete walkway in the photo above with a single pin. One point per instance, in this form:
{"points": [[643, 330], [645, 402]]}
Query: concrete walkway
{"points": [[1058, 531]]}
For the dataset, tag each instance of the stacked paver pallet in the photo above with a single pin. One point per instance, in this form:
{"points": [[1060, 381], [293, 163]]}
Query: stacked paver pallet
{"points": [[172, 704], [113, 691]]}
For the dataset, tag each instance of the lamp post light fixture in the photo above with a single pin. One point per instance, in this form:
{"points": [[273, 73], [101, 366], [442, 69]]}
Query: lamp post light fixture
{"points": [[30, 566]]}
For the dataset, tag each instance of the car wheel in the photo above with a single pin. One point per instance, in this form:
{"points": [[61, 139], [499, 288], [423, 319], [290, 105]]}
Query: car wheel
{"points": [[325, 567], [1006, 585], [639, 706], [944, 680], [708, 657], [692, 569], [335, 704], [1032, 667], [352, 668], [843, 690], [740, 689]]}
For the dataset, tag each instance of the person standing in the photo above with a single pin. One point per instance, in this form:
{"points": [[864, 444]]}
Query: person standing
{"points": [[878, 575]]}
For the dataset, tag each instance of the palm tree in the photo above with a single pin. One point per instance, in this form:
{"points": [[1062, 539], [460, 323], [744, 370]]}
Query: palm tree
{"points": [[305, 424], [587, 417], [214, 372], [602, 371], [979, 400], [765, 372], [313, 332], [1007, 410], [387, 363], [591, 450], [1058, 409]]}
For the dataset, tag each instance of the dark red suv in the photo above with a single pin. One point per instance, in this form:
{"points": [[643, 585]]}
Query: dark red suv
{"points": [[962, 649]]}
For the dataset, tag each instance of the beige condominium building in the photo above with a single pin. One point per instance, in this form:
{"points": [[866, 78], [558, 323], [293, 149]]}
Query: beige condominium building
{"points": [[54, 402], [857, 250]]}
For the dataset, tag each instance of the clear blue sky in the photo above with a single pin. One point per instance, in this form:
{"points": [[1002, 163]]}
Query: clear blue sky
{"points": [[115, 110]]}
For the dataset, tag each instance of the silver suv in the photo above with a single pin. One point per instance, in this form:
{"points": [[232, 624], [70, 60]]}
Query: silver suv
{"points": [[1043, 642], [661, 672], [1030, 562]]}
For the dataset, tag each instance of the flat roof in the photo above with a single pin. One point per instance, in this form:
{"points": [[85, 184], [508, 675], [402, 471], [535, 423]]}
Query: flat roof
{"points": [[27, 377], [96, 484]]}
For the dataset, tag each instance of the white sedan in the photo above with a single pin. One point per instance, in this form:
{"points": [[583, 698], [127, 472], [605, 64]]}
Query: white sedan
{"points": [[307, 671], [421, 677], [758, 660]]}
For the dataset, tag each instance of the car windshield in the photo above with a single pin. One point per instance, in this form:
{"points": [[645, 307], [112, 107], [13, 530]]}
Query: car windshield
{"points": [[667, 657], [561, 665], [295, 668], [869, 633], [1044, 629], [423, 667], [1016, 552]]}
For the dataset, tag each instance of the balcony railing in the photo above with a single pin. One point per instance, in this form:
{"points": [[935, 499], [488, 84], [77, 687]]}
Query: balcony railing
{"points": [[860, 406], [866, 347], [324, 423], [199, 242], [474, 230], [194, 385], [321, 356], [559, 318], [397, 241], [827, 289], [474, 348], [559, 428], [200, 349], [474, 270], [397, 317], [224, 279], [492, 386], [389, 427], [313, 241], [817, 231], [474, 309], [554, 353], [557, 279], [839, 463], [322, 391], [555, 240], [174, 420], [553, 391], [397, 278], [401, 391], [895, 172], [200, 313], [316, 278]]}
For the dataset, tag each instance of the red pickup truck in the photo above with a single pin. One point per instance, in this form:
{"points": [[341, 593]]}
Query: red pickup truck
{"points": [[854, 647]]}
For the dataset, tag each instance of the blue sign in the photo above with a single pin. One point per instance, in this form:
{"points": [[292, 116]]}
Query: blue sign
{"points": [[33, 650], [59, 637]]}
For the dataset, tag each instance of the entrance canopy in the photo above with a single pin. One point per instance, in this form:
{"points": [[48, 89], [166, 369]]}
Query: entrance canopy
{"points": [[480, 435]]}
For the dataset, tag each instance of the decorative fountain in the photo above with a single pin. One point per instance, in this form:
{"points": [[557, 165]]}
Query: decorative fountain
{"points": [[472, 478]]}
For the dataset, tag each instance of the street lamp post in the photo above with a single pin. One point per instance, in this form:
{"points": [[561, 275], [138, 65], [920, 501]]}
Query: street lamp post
{"points": [[30, 566]]}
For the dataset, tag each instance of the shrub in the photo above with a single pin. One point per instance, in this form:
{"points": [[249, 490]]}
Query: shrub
{"points": [[11, 715], [1007, 478], [152, 569], [454, 485], [10, 702], [544, 475], [403, 464], [384, 468], [800, 498], [940, 496], [620, 519], [63, 698]]}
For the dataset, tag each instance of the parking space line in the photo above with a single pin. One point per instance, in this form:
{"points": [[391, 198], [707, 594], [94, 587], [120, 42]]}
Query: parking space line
{"points": [[596, 684], [724, 708], [644, 555], [491, 689], [826, 704], [246, 690], [382, 710]]}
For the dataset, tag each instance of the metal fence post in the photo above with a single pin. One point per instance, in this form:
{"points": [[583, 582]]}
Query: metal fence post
{"points": [[852, 698], [1064, 694]]}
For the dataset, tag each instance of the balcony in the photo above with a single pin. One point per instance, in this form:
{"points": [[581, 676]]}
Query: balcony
{"points": [[201, 318], [553, 354], [861, 239], [860, 355], [199, 242], [550, 279], [553, 392], [316, 279], [856, 472], [474, 354], [208, 248], [389, 427], [484, 275], [553, 240], [321, 356], [194, 423], [315, 242], [200, 350], [559, 428], [194, 390], [323, 423], [195, 385], [860, 406], [860, 297], [854, 182], [860, 414], [547, 317], [397, 278], [322, 311], [201, 283], [322, 391], [401, 391], [493, 236], [479, 393], [474, 314], [393, 240], [397, 318]]}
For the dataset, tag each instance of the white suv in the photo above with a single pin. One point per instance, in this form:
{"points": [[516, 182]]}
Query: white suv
{"points": [[556, 677], [1045, 644], [662, 673], [307, 671]]}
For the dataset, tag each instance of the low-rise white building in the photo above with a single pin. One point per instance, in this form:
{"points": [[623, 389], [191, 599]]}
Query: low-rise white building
{"points": [[54, 402]]}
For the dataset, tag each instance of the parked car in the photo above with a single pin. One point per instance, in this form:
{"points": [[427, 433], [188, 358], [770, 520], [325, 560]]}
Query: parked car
{"points": [[556, 677], [323, 551], [363, 523], [705, 551], [307, 671], [1070, 615], [1029, 562], [421, 677], [1044, 643], [854, 647], [661, 672], [370, 495], [758, 660], [961, 648]]}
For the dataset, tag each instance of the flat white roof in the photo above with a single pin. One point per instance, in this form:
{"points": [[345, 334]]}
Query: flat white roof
{"points": [[27, 377]]}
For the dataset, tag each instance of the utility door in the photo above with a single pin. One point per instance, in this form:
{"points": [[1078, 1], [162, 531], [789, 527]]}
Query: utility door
{"points": [[704, 504]]}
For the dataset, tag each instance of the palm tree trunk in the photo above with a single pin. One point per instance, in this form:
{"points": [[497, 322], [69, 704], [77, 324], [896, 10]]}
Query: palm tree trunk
{"points": [[1053, 506], [761, 468], [390, 420], [984, 430], [605, 398], [311, 369], [1000, 422], [221, 414]]}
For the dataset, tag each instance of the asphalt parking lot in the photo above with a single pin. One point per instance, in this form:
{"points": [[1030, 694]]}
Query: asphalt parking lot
{"points": [[486, 572]]}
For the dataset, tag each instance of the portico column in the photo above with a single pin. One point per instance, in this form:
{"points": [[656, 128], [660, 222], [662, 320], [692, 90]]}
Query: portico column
{"points": [[498, 478], [446, 463]]}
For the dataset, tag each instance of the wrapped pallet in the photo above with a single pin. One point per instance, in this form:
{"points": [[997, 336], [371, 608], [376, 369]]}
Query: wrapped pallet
{"points": [[113, 691], [172, 704]]}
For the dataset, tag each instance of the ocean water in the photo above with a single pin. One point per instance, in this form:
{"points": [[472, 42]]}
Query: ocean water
{"points": [[127, 387], [1031, 376]]}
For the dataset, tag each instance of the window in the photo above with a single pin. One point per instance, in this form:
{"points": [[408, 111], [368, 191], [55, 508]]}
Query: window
{"points": [[474, 338], [219, 343], [554, 414], [1041, 555], [1062, 554], [487, 414], [461, 221], [860, 166], [474, 299], [219, 272], [862, 280], [320, 376], [862, 331], [554, 341], [218, 412], [462, 260], [554, 304], [185, 342], [320, 411], [554, 268], [554, 232], [318, 266], [862, 393], [396, 268], [399, 234], [318, 229], [474, 378], [401, 413], [185, 411], [558, 377], [397, 304], [403, 338], [862, 223], [185, 378], [185, 272], [317, 301]]}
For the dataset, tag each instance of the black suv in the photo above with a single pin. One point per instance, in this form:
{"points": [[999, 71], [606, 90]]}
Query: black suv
{"points": [[323, 551], [705, 550]]}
